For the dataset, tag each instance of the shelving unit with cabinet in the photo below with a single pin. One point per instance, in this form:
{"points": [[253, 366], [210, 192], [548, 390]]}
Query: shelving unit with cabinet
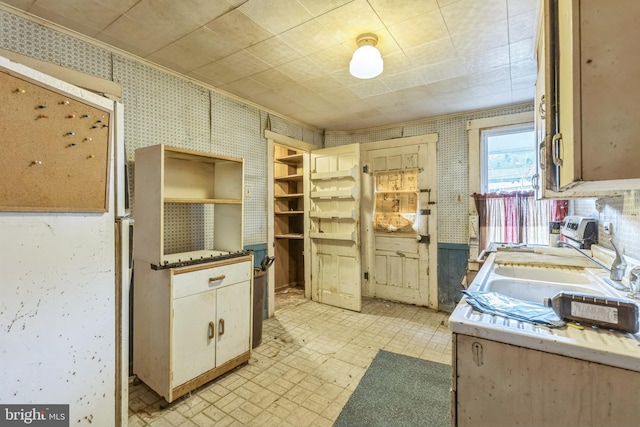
{"points": [[288, 217], [193, 281]]}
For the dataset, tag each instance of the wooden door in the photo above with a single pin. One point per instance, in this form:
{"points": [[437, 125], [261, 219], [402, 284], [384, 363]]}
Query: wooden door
{"points": [[233, 328], [398, 231], [194, 348], [334, 218]]}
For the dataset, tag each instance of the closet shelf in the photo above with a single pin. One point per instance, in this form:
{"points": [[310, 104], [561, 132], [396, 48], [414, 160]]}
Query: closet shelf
{"points": [[292, 236], [296, 177], [290, 213], [294, 159], [290, 196]]}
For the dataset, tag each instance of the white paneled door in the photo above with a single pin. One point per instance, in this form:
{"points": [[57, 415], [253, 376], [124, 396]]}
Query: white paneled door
{"points": [[334, 221], [396, 217]]}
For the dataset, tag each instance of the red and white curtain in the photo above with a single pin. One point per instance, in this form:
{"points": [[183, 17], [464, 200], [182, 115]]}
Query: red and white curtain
{"points": [[516, 217]]}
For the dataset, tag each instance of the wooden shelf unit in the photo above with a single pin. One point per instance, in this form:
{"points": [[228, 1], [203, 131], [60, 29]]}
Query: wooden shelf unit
{"points": [[289, 217]]}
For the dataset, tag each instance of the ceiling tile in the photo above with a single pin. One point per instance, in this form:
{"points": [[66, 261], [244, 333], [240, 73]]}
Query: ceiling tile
{"points": [[322, 84], [273, 51], [301, 69], [516, 7], [317, 8], [449, 85], [245, 88], [181, 57], [234, 31], [342, 96], [419, 30], [273, 78], [214, 74], [201, 11], [207, 44], [276, 16], [85, 16], [243, 64], [522, 26], [128, 35], [488, 77], [432, 53], [443, 71], [367, 88], [403, 80], [160, 17], [473, 14], [394, 11], [486, 60], [396, 63], [332, 59], [521, 50], [351, 20], [308, 37], [468, 43]]}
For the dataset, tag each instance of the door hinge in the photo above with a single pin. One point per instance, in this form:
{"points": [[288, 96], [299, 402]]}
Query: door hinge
{"points": [[366, 275], [365, 169], [426, 239]]}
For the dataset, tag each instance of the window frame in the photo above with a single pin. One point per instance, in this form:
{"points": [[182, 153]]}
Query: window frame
{"points": [[485, 134]]}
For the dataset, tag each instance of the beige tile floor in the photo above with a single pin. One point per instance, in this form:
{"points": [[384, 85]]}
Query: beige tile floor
{"points": [[311, 359]]}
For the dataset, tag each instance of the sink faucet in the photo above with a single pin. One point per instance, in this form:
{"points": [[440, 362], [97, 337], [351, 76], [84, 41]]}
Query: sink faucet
{"points": [[567, 245], [616, 272], [619, 265]]}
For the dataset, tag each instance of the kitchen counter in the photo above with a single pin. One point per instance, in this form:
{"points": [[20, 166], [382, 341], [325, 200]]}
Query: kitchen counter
{"points": [[509, 372], [591, 343]]}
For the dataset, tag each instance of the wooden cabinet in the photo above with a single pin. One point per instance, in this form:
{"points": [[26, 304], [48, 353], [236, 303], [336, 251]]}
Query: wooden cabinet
{"points": [[592, 97], [288, 217], [497, 384], [188, 205], [192, 280], [191, 324]]}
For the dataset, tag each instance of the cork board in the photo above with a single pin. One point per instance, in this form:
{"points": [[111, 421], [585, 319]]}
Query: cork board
{"points": [[54, 150]]}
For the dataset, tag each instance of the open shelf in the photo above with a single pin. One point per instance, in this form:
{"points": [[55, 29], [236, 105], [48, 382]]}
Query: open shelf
{"points": [[348, 173], [203, 201], [292, 159]]}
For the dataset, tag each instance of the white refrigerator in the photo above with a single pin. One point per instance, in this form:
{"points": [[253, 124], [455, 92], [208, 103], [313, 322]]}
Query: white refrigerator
{"points": [[64, 287]]}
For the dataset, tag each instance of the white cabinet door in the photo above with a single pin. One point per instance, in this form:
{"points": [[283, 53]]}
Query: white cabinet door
{"points": [[233, 325], [194, 330], [334, 217]]}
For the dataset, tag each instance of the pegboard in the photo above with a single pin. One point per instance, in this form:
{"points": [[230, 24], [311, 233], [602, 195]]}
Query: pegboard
{"points": [[54, 150]]}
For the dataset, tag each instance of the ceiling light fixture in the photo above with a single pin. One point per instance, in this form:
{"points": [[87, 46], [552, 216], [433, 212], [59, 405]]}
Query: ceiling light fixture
{"points": [[366, 62]]}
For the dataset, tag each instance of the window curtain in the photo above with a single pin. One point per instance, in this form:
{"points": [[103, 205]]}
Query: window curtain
{"points": [[516, 217]]}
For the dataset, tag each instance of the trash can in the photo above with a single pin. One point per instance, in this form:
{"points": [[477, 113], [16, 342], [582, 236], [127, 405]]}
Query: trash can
{"points": [[259, 280]]}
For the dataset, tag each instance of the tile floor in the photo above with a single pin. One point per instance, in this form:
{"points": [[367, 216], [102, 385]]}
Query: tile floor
{"points": [[311, 359]]}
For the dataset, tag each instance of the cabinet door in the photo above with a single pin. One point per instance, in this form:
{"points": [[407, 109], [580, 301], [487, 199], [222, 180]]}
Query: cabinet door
{"points": [[194, 330], [233, 326]]}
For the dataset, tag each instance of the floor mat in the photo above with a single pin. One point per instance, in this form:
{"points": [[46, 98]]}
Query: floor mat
{"points": [[399, 390]]}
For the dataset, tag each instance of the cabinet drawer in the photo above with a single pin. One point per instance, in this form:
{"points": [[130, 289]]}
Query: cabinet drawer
{"points": [[193, 282]]}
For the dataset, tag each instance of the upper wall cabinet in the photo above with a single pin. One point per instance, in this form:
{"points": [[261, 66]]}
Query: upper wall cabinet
{"points": [[591, 69]]}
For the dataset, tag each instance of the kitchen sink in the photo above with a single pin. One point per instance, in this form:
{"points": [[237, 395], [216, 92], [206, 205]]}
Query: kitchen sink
{"points": [[536, 291], [543, 274]]}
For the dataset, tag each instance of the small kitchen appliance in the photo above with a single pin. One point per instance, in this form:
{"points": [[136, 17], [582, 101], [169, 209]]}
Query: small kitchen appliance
{"points": [[579, 231]]}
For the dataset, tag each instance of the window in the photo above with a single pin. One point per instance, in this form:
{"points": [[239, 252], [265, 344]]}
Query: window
{"points": [[508, 158]]}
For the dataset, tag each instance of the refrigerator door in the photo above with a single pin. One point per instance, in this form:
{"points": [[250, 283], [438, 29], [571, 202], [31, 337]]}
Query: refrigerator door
{"points": [[58, 299]]}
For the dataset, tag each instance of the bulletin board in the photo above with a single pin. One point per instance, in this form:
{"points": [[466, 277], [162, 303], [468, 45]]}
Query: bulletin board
{"points": [[54, 150]]}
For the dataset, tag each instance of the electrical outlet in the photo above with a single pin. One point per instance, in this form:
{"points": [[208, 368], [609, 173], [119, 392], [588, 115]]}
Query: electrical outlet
{"points": [[606, 227]]}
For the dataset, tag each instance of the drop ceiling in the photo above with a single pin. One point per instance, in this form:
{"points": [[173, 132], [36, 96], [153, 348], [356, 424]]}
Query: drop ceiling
{"points": [[292, 56]]}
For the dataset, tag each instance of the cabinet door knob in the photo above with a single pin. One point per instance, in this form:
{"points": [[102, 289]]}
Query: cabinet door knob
{"points": [[221, 327], [211, 331], [217, 278]]}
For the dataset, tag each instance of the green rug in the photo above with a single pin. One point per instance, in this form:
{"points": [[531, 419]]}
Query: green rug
{"points": [[399, 390]]}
